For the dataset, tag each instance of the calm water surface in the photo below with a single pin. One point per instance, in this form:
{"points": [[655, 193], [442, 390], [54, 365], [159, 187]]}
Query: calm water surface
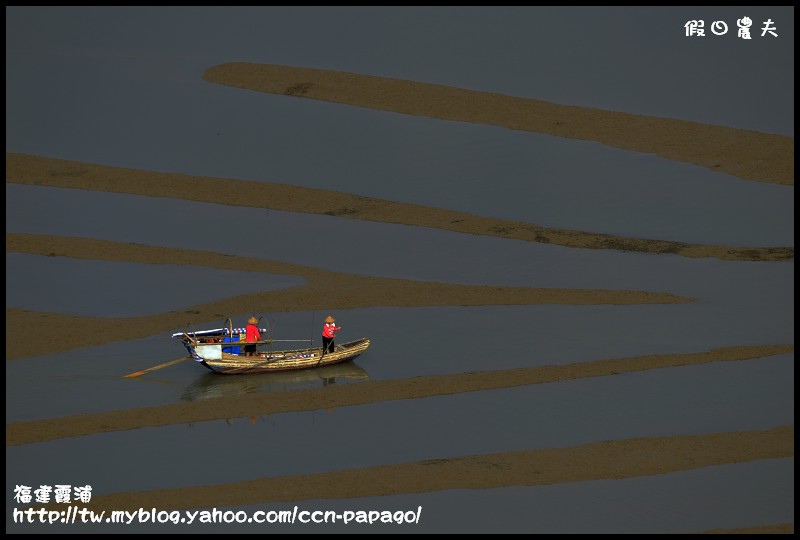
{"points": [[166, 118], [666, 402]]}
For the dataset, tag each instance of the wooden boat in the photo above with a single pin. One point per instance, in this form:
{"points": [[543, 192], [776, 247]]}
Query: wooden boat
{"points": [[222, 350]]}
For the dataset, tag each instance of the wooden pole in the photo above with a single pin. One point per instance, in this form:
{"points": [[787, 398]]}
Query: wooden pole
{"points": [[148, 370]]}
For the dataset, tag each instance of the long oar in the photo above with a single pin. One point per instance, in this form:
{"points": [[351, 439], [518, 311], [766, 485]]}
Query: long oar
{"points": [[148, 370], [165, 364]]}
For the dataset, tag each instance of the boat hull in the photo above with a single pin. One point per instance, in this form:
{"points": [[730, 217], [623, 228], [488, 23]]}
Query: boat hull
{"points": [[212, 357]]}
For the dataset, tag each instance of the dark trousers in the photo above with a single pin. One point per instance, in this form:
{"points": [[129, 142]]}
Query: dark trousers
{"points": [[327, 344]]}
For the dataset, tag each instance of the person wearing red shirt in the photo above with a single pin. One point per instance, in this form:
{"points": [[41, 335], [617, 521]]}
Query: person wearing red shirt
{"points": [[252, 334], [328, 333]]}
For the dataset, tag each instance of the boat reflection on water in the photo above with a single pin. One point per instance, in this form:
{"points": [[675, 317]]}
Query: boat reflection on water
{"points": [[212, 385]]}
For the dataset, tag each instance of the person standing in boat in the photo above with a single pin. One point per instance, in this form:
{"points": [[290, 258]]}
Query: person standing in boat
{"points": [[328, 333], [251, 334]]}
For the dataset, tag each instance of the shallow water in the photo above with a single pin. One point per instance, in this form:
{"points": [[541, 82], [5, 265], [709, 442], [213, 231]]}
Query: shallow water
{"points": [[82, 84], [744, 395], [626, 506], [179, 123], [691, 400], [114, 289], [437, 255], [405, 343]]}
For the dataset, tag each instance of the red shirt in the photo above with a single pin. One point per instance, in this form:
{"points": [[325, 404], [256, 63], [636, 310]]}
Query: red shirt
{"points": [[252, 333], [330, 329]]}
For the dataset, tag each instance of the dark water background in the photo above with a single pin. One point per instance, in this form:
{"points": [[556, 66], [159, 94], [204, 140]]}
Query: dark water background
{"points": [[123, 87]]}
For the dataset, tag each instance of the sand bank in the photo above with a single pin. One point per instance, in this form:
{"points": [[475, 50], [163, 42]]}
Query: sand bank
{"points": [[42, 171], [607, 460], [257, 404], [324, 291], [750, 155]]}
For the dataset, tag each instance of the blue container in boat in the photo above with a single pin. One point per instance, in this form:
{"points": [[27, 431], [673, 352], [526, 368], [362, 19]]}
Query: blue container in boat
{"points": [[231, 350]]}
